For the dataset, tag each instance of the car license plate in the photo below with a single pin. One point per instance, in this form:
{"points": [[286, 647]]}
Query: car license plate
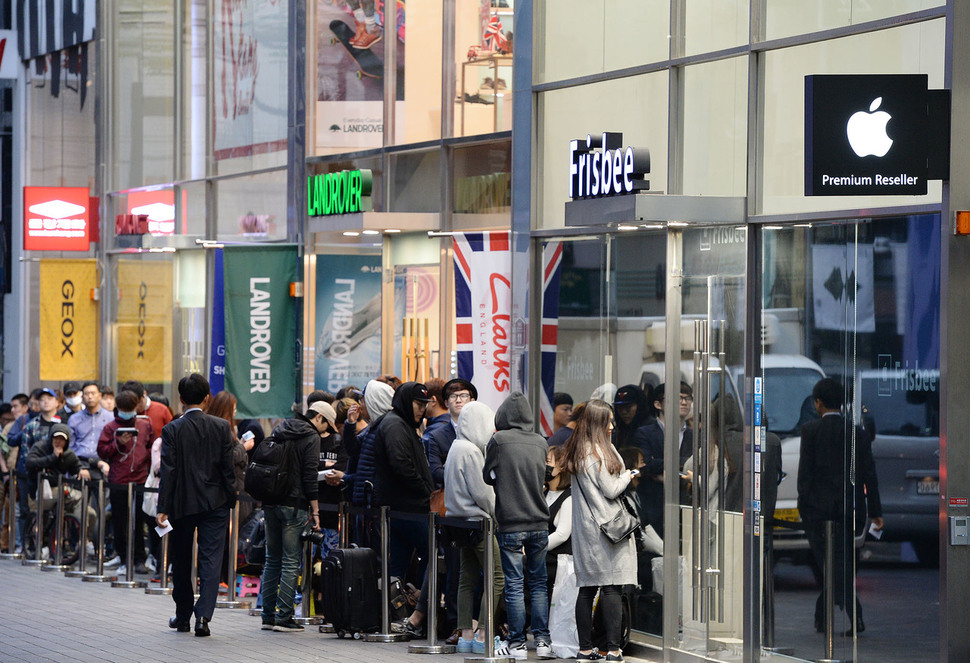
{"points": [[928, 488], [790, 515]]}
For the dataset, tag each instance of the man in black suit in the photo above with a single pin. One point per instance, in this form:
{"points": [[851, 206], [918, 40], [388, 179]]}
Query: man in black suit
{"points": [[196, 492], [827, 491], [649, 439]]}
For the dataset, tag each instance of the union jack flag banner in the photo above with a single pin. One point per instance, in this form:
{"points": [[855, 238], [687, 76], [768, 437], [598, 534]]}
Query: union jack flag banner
{"points": [[483, 307], [493, 37], [551, 270]]}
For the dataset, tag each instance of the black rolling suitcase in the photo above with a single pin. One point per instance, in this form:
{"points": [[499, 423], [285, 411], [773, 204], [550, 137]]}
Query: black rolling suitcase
{"points": [[351, 597]]}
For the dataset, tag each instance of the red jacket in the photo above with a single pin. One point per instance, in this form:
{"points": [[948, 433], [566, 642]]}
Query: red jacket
{"points": [[128, 464], [159, 415]]}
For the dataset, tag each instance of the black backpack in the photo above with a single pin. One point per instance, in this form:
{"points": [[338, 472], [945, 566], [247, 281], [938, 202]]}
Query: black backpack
{"points": [[268, 477]]}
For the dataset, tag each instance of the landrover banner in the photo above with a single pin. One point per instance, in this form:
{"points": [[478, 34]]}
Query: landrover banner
{"points": [[260, 328], [68, 320]]}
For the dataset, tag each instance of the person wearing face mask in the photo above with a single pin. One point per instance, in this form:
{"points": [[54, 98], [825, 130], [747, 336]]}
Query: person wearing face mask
{"points": [[73, 402], [559, 501], [128, 454], [157, 413]]}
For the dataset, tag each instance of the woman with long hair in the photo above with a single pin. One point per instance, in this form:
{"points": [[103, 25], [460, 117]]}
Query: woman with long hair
{"points": [[223, 405], [599, 478]]}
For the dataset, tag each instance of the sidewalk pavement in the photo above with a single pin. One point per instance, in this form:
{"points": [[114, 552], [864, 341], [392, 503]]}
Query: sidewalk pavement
{"points": [[47, 617]]}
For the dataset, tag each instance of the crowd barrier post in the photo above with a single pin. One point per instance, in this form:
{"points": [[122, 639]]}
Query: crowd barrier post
{"points": [[434, 600], [12, 519], [385, 635], [129, 582], [305, 619], [39, 524], [99, 575], [194, 572], [828, 594], [231, 601], [58, 541], [489, 617], [163, 588], [82, 553]]}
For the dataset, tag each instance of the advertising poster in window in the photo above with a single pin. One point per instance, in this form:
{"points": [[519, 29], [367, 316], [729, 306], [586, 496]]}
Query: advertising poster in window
{"points": [[250, 77], [348, 322], [350, 69], [842, 287], [68, 320], [145, 306]]}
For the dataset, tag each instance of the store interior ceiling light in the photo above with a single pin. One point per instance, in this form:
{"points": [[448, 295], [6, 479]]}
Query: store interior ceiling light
{"points": [[351, 233], [773, 227], [371, 232], [624, 226], [392, 230]]}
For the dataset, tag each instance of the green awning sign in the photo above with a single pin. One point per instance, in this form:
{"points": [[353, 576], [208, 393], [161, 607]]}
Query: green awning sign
{"points": [[344, 192]]}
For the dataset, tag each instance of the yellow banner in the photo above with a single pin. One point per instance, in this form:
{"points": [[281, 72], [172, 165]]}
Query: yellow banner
{"points": [[68, 320], [145, 321]]}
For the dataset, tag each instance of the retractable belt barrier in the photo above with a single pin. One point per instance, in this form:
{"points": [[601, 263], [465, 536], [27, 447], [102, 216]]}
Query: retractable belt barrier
{"points": [[231, 601], [82, 544], [57, 543], [39, 524], [99, 575], [12, 518]]}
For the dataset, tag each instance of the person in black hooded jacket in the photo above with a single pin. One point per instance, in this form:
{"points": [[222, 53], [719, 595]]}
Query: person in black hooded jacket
{"points": [[632, 412], [402, 477]]}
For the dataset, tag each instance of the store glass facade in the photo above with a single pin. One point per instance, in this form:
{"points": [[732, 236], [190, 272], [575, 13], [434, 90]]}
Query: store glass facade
{"points": [[678, 283]]}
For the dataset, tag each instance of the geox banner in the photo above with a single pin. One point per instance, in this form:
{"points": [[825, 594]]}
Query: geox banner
{"points": [[260, 328], [145, 312], [68, 320]]}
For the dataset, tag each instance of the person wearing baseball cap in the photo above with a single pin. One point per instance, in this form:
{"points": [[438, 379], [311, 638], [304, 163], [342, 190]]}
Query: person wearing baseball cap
{"points": [[72, 401], [333, 460], [630, 407]]}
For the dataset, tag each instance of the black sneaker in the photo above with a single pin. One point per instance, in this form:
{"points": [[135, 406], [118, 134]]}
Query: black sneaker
{"points": [[592, 656], [267, 626], [405, 626], [614, 657], [289, 626]]}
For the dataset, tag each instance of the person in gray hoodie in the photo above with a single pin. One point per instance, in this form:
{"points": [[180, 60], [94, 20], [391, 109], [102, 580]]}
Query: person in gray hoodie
{"points": [[515, 464], [468, 496]]}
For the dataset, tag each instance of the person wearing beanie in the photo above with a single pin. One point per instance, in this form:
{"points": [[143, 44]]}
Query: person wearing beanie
{"points": [[562, 409], [632, 412]]}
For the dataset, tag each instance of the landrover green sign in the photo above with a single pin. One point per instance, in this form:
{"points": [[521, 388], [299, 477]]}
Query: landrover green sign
{"points": [[344, 192]]}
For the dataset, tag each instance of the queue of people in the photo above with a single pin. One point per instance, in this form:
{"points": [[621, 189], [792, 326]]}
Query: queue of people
{"points": [[408, 446]]}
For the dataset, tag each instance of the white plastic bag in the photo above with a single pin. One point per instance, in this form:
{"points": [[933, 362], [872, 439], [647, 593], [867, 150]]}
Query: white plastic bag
{"points": [[562, 609]]}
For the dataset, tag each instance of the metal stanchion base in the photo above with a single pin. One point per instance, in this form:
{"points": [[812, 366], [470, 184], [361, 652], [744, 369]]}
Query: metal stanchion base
{"points": [[486, 659], [77, 573], [94, 577], [784, 651], [327, 628], [432, 649], [159, 591], [11, 555], [255, 612], [35, 562], [308, 621], [56, 567], [385, 637], [130, 584], [235, 604], [833, 660]]}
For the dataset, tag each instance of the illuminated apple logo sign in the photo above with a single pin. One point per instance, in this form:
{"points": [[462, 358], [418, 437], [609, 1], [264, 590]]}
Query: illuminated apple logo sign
{"points": [[867, 131]]}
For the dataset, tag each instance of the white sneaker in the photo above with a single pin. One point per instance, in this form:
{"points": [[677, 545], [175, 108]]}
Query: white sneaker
{"points": [[45, 553], [150, 563], [544, 650], [89, 549], [122, 570], [502, 648], [519, 652], [114, 561]]}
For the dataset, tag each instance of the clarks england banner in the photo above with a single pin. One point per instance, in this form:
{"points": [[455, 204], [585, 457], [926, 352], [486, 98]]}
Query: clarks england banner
{"points": [[68, 320], [483, 313], [260, 328]]}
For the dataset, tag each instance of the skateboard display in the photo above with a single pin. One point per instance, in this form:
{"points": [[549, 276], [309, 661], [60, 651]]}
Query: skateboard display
{"points": [[367, 62]]}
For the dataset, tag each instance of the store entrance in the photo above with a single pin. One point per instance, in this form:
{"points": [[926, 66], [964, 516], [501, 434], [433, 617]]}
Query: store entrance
{"points": [[653, 322]]}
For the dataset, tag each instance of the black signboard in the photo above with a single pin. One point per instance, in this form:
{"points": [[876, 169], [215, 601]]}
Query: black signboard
{"points": [[866, 134]]}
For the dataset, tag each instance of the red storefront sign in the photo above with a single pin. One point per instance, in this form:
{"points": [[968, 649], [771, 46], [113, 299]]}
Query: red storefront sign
{"points": [[56, 218]]}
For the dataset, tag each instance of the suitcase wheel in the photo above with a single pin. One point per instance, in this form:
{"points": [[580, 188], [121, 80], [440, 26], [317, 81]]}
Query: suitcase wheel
{"points": [[358, 635], [341, 633]]}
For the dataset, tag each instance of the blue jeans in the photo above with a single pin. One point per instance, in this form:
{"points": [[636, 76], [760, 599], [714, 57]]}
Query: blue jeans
{"points": [[525, 551], [284, 552]]}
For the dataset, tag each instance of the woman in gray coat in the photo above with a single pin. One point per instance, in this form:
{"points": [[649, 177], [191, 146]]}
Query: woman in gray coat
{"points": [[599, 478]]}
